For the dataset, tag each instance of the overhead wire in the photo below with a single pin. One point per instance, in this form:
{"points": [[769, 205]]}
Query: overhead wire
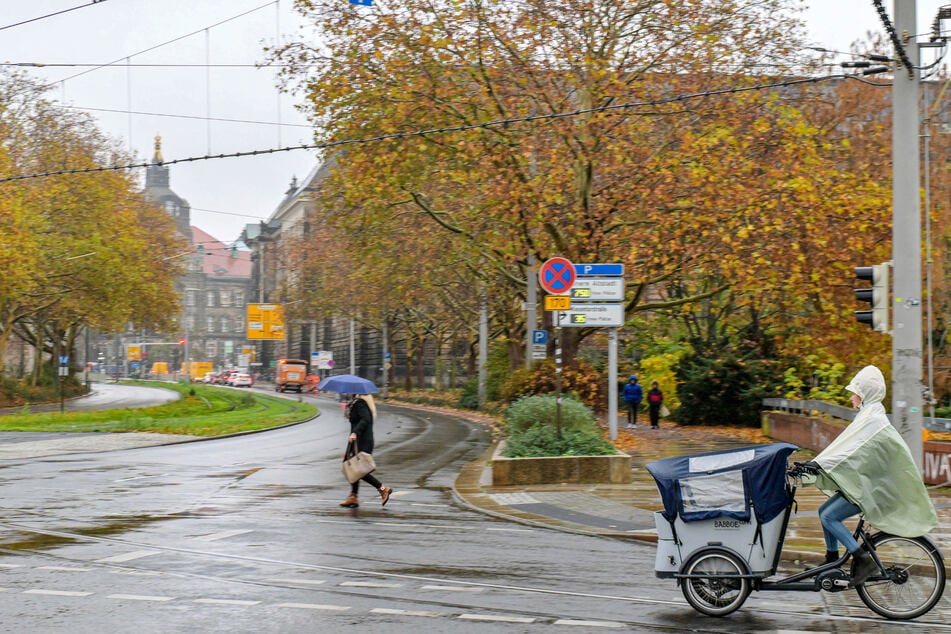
{"points": [[446, 130], [50, 15]]}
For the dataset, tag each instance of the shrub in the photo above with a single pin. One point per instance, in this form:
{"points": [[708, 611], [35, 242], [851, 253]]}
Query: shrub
{"points": [[579, 379], [543, 441], [529, 411], [725, 390]]}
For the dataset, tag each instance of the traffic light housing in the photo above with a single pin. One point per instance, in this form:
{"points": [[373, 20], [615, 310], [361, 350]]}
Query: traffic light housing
{"points": [[877, 296]]}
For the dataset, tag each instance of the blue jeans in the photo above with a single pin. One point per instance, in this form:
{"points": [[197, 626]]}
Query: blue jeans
{"points": [[831, 514]]}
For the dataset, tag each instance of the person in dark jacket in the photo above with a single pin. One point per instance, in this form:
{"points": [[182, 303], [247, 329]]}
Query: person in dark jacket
{"points": [[633, 395], [655, 400], [361, 411]]}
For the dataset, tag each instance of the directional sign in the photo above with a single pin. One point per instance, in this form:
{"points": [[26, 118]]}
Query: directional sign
{"points": [[556, 276], [599, 269], [557, 302], [592, 316], [598, 289], [266, 321]]}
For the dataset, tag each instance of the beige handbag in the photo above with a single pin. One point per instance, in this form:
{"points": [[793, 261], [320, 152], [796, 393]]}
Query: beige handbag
{"points": [[664, 412], [356, 464]]}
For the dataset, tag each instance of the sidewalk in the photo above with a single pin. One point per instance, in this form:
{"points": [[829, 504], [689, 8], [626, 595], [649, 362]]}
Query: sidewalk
{"points": [[627, 511]]}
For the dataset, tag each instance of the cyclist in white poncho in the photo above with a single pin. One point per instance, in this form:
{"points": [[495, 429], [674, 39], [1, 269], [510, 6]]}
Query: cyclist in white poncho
{"points": [[869, 469]]}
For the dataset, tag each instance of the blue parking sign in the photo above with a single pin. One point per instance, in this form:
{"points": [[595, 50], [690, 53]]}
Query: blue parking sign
{"points": [[540, 336]]}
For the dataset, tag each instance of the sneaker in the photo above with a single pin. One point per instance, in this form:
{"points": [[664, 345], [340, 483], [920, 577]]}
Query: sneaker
{"points": [[385, 495], [351, 502]]}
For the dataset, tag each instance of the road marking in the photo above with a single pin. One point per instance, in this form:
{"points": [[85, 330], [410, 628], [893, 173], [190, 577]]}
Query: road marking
{"points": [[370, 584], [63, 569], [496, 619], [11, 565], [453, 588], [136, 554], [57, 593], [404, 612], [314, 582], [222, 535], [313, 606], [510, 530], [138, 597], [589, 623], [226, 602], [512, 499]]}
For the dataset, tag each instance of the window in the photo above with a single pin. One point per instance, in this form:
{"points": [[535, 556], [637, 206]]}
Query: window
{"points": [[211, 324], [189, 323], [211, 348], [239, 325], [225, 297], [238, 298], [190, 297], [211, 298], [225, 324]]}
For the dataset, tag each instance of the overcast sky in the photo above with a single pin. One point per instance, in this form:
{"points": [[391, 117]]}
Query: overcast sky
{"points": [[226, 194]]}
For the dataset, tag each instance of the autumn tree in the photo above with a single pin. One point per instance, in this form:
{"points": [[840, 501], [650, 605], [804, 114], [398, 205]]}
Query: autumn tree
{"points": [[101, 256]]}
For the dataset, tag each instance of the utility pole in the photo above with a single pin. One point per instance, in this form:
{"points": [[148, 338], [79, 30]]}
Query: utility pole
{"points": [[907, 395]]}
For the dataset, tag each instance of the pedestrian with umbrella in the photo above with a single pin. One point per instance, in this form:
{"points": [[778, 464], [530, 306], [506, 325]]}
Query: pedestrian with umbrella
{"points": [[361, 412]]}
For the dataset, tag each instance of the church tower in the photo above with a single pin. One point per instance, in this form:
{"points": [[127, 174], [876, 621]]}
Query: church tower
{"points": [[157, 190]]}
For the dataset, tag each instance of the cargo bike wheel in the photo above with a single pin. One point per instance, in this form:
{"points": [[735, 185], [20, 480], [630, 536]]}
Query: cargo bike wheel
{"points": [[715, 582], [915, 577]]}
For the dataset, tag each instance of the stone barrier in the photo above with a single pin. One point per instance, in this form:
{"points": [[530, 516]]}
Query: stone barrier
{"points": [[613, 469]]}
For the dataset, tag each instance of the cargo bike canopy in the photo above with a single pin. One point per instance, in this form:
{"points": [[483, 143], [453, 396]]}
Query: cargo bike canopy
{"points": [[735, 483]]}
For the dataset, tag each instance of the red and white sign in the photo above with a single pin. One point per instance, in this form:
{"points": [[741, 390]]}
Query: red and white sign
{"points": [[556, 276]]}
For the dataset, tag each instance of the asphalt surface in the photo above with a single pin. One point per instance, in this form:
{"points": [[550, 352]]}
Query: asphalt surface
{"points": [[611, 510]]}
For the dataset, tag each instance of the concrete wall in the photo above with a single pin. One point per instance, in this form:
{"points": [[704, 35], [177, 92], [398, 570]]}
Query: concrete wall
{"points": [[614, 469], [815, 434]]}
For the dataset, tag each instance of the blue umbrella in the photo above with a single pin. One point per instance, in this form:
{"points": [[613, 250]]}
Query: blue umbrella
{"points": [[347, 384]]}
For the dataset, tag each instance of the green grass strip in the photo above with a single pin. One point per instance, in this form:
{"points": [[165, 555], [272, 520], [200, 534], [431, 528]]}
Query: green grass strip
{"points": [[203, 410]]}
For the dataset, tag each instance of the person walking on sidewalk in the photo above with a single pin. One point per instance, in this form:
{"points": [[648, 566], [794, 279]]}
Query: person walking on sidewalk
{"points": [[633, 395], [869, 469], [655, 400], [361, 410]]}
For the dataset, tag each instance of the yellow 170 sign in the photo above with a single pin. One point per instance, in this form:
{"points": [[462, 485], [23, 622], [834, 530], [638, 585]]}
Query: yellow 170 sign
{"points": [[266, 321], [557, 302]]}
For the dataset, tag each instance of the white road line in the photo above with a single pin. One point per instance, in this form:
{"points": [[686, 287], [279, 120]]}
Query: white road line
{"points": [[226, 602], [454, 588], [11, 565], [63, 569], [589, 623], [497, 619], [57, 593], [312, 606], [370, 584], [313, 582], [510, 530], [222, 535], [138, 597], [136, 554], [404, 612]]}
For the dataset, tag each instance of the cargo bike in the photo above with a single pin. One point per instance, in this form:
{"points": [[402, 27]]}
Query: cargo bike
{"points": [[724, 522]]}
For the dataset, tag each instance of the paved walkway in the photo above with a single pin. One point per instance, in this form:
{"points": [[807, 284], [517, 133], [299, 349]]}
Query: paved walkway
{"points": [[627, 511]]}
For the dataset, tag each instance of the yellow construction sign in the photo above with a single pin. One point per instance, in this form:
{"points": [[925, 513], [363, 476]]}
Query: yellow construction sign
{"points": [[266, 321]]}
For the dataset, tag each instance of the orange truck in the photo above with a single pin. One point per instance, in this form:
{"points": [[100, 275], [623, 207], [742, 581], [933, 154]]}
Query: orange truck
{"points": [[291, 374]]}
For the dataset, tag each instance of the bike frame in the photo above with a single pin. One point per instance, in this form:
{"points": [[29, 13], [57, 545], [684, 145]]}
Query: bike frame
{"points": [[796, 582]]}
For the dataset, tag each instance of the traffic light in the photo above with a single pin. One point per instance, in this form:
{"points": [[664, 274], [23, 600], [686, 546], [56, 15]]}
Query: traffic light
{"points": [[877, 296]]}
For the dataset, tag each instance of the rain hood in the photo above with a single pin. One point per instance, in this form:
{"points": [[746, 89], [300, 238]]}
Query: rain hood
{"points": [[871, 464]]}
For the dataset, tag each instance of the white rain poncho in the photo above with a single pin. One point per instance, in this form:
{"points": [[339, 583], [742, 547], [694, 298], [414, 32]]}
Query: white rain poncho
{"points": [[871, 464]]}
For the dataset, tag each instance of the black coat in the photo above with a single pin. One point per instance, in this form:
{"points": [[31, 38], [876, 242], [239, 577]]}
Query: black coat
{"points": [[361, 424]]}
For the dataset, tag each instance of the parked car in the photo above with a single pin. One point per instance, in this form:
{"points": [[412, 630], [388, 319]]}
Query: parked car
{"points": [[241, 379], [209, 377]]}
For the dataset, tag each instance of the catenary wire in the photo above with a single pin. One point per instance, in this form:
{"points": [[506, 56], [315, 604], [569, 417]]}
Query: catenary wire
{"points": [[445, 130], [50, 15]]}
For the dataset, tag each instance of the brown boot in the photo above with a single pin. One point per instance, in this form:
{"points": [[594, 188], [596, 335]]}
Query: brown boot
{"points": [[351, 502], [385, 495]]}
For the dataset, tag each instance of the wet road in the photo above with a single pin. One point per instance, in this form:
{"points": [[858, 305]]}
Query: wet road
{"points": [[245, 534]]}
